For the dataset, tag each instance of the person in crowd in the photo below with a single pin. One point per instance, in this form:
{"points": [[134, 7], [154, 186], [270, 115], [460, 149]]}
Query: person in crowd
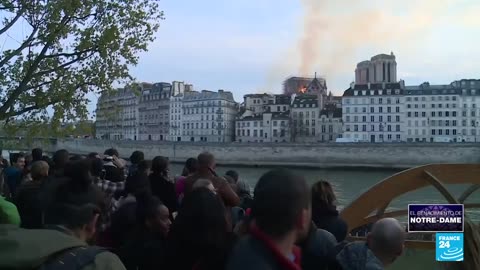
{"points": [[191, 167], [204, 183], [147, 248], [37, 154], [28, 197], [3, 162], [110, 188], [60, 159], [385, 243], [161, 185], [324, 211], [242, 189], [199, 237], [114, 166], [14, 174], [206, 170], [135, 159], [318, 250], [72, 219], [93, 155], [281, 214], [123, 218], [8, 211], [76, 158]]}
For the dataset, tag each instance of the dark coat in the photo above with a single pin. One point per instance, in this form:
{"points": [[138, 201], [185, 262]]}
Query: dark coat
{"points": [[318, 250], [329, 220], [254, 253], [29, 205], [145, 251], [164, 190]]}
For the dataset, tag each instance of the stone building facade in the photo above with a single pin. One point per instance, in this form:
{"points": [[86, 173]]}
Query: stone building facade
{"points": [[443, 113], [154, 111], [117, 115], [208, 116]]}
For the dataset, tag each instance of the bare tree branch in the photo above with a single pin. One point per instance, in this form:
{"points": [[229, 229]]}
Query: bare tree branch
{"points": [[16, 52], [63, 66], [70, 54], [13, 21], [37, 106], [29, 75]]}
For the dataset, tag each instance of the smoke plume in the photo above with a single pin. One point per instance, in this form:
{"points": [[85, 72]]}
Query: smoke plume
{"points": [[334, 31]]}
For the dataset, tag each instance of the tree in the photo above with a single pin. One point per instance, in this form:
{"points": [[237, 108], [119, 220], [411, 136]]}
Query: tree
{"points": [[68, 48]]}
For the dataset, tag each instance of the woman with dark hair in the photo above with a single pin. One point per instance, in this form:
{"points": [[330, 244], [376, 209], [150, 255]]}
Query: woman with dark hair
{"points": [[191, 167], [199, 238], [146, 250], [135, 159], [161, 185], [324, 210]]}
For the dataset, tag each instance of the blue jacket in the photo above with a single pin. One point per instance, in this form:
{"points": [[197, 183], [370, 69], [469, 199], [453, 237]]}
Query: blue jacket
{"points": [[357, 256]]}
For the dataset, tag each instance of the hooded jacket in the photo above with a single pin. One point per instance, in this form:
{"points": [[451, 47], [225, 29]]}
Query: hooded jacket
{"points": [[357, 256], [29, 249]]}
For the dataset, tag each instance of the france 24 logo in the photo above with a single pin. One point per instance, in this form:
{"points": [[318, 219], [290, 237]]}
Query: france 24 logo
{"points": [[449, 247]]}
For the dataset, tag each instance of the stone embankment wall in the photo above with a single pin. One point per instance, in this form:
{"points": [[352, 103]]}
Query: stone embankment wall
{"points": [[401, 155]]}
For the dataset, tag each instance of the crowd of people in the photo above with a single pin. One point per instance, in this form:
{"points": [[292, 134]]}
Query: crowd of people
{"points": [[103, 212]]}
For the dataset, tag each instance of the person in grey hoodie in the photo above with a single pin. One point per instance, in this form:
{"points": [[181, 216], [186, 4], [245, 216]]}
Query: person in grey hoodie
{"points": [[385, 243]]}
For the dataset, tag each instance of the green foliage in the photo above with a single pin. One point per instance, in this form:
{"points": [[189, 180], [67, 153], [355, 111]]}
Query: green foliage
{"points": [[69, 48]]}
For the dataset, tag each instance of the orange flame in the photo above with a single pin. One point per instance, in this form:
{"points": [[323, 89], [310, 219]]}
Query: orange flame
{"points": [[303, 90]]}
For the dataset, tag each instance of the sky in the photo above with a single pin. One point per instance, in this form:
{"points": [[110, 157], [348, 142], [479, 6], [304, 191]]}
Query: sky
{"points": [[251, 46]]}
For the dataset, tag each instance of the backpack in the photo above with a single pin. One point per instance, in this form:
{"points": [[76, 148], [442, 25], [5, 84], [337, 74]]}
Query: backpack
{"points": [[72, 259]]}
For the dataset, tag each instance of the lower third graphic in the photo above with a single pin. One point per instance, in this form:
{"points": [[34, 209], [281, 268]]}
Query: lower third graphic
{"points": [[449, 247]]}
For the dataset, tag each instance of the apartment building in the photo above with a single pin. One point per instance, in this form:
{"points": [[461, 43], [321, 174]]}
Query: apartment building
{"points": [[208, 116]]}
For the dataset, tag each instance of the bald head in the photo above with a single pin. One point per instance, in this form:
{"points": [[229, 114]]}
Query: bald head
{"points": [[386, 239], [206, 160]]}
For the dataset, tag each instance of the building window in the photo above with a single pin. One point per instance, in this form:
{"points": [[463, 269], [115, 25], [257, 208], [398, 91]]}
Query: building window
{"points": [[424, 114], [409, 114], [440, 114], [364, 118], [355, 118], [372, 109], [348, 118], [364, 128], [372, 128], [355, 128], [416, 114], [440, 132], [389, 118], [398, 137], [380, 118], [409, 106], [433, 131], [372, 118], [380, 101], [275, 123], [397, 118], [447, 132], [380, 109], [454, 132], [433, 114], [347, 128], [397, 128], [389, 136], [389, 128], [454, 123]]}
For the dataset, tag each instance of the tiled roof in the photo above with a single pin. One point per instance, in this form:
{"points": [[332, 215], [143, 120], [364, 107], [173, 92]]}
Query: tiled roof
{"points": [[208, 95], [305, 99], [373, 89]]}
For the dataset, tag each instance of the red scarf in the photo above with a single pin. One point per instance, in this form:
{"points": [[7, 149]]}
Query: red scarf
{"points": [[284, 261]]}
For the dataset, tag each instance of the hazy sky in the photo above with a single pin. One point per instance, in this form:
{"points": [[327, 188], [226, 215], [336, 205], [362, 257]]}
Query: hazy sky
{"points": [[251, 46]]}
